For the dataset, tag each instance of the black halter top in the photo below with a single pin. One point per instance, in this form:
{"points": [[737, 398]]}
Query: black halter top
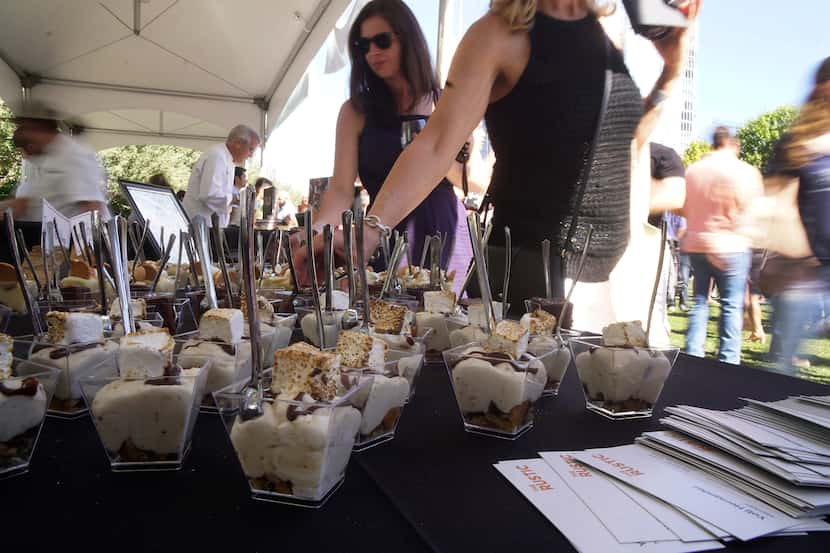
{"points": [[540, 132]]}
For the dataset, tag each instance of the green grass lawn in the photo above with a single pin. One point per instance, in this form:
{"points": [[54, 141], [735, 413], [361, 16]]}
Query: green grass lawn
{"points": [[754, 354]]}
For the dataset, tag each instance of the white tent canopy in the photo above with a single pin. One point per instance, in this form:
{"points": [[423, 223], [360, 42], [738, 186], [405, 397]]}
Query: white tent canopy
{"points": [[177, 72]]}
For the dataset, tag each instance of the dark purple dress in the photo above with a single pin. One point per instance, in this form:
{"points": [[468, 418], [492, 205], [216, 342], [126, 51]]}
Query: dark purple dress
{"points": [[378, 148]]}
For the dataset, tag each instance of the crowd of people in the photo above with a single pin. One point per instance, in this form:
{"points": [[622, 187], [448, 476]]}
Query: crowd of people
{"points": [[570, 136]]}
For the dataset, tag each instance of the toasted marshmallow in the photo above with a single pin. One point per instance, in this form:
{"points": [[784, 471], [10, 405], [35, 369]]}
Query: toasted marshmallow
{"points": [[509, 337], [138, 307], [539, 322], [225, 325], [6, 356], [304, 369], [629, 334], [440, 302], [145, 354], [359, 350], [74, 328], [389, 318], [475, 313]]}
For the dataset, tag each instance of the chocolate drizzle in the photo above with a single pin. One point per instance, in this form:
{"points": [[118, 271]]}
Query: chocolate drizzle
{"points": [[27, 388], [170, 378], [295, 411], [230, 349], [59, 352], [501, 357]]}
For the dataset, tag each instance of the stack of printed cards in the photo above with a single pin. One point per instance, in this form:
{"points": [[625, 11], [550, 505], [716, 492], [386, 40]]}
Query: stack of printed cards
{"points": [[670, 492]]}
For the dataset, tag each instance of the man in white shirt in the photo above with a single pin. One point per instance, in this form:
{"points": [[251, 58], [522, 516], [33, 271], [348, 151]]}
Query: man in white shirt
{"points": [[286, 211], [56, 168], [210, 189]]}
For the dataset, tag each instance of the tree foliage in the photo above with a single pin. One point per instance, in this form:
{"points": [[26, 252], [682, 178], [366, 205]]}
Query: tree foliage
{"points": [[695, 151], [9, 156], [759, 136], [140, 162]]}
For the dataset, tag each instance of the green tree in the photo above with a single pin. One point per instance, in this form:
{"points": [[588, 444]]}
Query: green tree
{"points": [[140, 162], [695, 151], [759, 136], [9, 156]]}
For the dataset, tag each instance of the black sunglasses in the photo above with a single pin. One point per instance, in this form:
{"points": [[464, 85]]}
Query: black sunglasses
{"points": [[381, 40]]}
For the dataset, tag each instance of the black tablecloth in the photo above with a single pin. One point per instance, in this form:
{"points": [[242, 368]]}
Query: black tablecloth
{"points": [[433, 487], [442, 480], [70, 501]]}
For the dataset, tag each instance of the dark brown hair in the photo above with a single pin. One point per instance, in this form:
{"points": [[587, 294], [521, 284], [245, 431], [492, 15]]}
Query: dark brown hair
{"points": [[368, 91], [721, 137]]}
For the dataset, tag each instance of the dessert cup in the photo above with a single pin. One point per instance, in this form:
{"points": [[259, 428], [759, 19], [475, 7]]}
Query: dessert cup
{"points": [[74, 363], [621, 382], [23, 403], [495, 394], [407, 364], [229, 363], [380, 402], [553, 306], [297, 451], [555, 353], [147, 423]]}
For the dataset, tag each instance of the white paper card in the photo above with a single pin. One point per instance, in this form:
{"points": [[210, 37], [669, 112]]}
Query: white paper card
{"points": [[689, 489], [557, 502], [621, 515]]}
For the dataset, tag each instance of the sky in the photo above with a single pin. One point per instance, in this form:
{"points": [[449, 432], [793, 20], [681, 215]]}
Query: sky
{"points": [[757, 55], [753, 56]]}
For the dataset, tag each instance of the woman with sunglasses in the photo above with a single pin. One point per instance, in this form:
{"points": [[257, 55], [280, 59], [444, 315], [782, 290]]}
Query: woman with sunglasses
{"points": [[392, 83]]}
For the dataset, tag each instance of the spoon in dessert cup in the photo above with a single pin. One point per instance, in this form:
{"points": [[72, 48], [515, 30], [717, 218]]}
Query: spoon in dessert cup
{"points": [[481, 271], [223, 266], [361, 265], [200, 237], [139, 246], [21, 242], [85, 243], [118, 269], [183, 237], [95, 227], [435, 263], [657, 278], [546, 269], [262, 256], [31, 305], [252, 394], [53, 270], [64, 266], [328, 271], [191, 258], [508, 262], [471, 270], [582, 257], [312, 276], [165, 259], [391, 272], [425, 251], [350, 318]]}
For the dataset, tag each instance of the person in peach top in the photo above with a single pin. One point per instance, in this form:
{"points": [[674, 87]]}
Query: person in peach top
{"points": [[719, 190]]}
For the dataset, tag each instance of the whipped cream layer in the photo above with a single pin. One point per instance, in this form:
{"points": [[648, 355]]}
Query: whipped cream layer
{"points": [[76, 362], [22, 406]]}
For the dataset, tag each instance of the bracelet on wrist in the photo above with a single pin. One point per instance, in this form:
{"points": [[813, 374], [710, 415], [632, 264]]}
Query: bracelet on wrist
{"points": [[374, 222]]}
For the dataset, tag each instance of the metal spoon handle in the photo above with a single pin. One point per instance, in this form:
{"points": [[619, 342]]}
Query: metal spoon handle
{"points": [[200, 236], [246, 230], [361, 264], [312, 275], [165, 258], [582, 257], [95, 228], [191, 259], [546, 268], [262, 255], [183, 237], [118, 269], [31, 305], [663, 232], [64, 252], [425, 251], [508, 261], [328, 265], [435, 263], [21, 241], [391, 271], [346, 218], [481, 271], [291, 269], [85, 243], [216, 232]]}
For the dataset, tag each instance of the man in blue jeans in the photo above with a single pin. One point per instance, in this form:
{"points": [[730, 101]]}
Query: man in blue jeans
{"points": [[719, 189]]}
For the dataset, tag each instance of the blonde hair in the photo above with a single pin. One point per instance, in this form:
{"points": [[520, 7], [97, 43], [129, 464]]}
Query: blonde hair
{"points": [[813, 121], [519, 14]]}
